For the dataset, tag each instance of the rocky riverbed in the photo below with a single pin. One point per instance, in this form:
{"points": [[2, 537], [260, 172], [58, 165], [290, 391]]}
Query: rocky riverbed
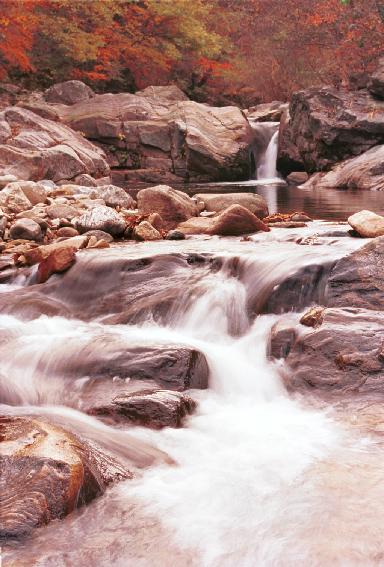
{"points": [[188, 374]]}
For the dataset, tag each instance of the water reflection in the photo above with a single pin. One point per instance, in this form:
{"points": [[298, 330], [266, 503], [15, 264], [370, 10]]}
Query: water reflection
{"points": [[319, 204]]}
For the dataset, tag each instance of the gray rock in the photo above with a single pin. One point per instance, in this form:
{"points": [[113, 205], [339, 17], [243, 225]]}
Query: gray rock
{"points": [[26, 229], [101, 218], [69, 92], [116, 197], [175, 235]]}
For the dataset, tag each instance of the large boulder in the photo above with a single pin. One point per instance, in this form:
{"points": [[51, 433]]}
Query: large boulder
{"points": [[46, 474], [362, 172], [69, 92], [328, 125], [34, 148], [342, 353], [358, 279], [101, 218], [376, 83], [235, 220], [160, 136], [173, 206], [218, 202]]}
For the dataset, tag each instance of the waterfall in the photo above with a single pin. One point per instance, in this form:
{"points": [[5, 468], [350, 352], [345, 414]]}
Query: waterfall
{"points": [[265, 148]]}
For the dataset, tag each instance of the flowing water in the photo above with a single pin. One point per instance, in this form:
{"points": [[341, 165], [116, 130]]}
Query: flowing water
{"points": [[260, 479]]}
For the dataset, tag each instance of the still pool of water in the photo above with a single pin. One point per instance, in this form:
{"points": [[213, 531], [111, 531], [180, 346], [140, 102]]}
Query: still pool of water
{"points": [[331, 204]]}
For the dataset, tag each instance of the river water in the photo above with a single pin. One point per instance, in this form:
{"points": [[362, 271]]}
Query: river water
{"points": [[261, 479]]}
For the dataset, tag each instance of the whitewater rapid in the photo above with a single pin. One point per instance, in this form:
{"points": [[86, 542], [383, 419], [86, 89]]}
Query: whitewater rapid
{"points": [[257, 477]]}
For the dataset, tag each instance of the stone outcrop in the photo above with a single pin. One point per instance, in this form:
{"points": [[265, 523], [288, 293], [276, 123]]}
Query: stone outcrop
{"points": [[328, 125], [376, 83], [358, 279], [46, 473], [268, 112], [343, 353], [34, 148], [218, 202], [147, 135], [363, 172]]}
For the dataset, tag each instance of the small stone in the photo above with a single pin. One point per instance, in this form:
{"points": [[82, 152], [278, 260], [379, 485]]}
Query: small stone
{"points": [[67, 232], [300, 217], [175, 235], [100, 235], [313, 317], [59, 211], [145, 231]]}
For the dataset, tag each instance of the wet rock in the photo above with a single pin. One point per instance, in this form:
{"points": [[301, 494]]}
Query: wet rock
{"points": [[46, 474], [36, 255], [100, 235], [13, 199], [145, 231], [313, 317], [58, 261], [101, 218], [156, 221], [376, 83], [33, 147], [175, 235], [149, 408], [233, 221], [61, 211], [218, 202], [287, 224], [67, 232], [357, 280], [27, 229], [282, 338], [68, 92], [328, 125], [267, 112], [342, 355], [173, 206], [115, 197], [365, 172], [297, 178], [367, 224], [300, 217]]}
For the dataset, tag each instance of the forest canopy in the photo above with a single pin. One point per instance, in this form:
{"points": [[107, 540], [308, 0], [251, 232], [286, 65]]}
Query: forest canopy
{"points": [[246, 51]]}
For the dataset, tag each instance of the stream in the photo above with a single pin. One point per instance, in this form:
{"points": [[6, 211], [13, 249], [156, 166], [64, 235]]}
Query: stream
{"points": [[261, 479]]}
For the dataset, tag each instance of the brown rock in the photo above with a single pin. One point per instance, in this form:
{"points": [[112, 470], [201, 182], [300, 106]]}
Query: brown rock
{"points": [[218, 202], [26, 229], [67, 232], [313, 317], [145, 231], [13, 199], [58, 261], [68, 92], [235, 221], [173, 206], [61, 211], [36, 255], [46, 474]]}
